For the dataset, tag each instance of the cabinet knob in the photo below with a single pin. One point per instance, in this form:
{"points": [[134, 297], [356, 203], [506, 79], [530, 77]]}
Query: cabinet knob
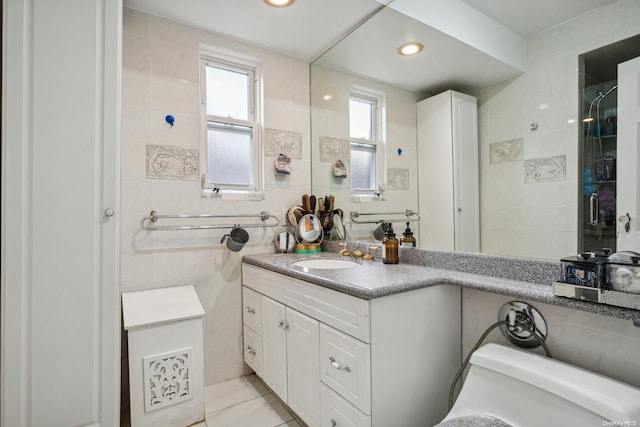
{"points": [[251, 310], [108, 212], [333, 423], [338, 366], [250, 350], [283, 325]]}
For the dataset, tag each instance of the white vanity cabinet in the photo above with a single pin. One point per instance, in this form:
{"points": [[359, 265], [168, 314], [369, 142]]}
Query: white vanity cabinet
{"points": [[285, 354], [338, 360]]}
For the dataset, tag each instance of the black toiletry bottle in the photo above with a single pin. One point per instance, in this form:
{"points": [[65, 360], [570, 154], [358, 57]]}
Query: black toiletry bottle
{"points": [[407, 238], [390, 247]]}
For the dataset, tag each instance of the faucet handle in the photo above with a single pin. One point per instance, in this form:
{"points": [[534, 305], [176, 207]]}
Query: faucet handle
{"points": [[344, 251], [358, 253]]}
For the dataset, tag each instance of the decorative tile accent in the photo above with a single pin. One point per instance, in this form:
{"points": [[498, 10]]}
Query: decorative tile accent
{"points": [[169, 162], [398, 178], [332, 149], [166, 379], [283, 142], [506, 151], [545, 169]]}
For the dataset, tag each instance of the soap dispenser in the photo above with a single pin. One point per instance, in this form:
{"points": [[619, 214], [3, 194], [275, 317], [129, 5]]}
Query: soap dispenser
{"points": [[390, 243], [407, 238]]}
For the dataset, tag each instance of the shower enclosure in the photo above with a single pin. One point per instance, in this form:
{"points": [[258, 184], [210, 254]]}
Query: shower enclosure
{"points": [[597, 216]]}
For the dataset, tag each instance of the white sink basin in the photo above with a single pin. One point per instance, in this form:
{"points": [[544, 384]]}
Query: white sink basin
{"points": [[326, 263]]}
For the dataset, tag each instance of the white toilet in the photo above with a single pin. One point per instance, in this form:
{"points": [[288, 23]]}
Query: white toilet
{"points": [[509, 387]]}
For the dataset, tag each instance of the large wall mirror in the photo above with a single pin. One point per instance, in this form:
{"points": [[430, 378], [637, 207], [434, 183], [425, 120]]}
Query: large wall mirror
{"points": [[598, 215], [530, 123]]}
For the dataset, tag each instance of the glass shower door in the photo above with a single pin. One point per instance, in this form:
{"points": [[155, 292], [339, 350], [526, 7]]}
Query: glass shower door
{"points": [[599, 153]]}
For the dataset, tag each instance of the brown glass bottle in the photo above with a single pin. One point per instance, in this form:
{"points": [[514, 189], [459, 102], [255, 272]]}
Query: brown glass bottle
{"points": [[407, 238], [390, 247]]}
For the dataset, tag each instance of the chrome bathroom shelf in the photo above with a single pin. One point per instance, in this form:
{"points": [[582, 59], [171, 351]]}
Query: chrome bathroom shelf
{"points": [[153, 217]]}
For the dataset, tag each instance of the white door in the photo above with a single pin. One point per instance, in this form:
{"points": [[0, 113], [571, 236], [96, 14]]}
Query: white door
{"points": [[274, 346], [628, 160], [303, 354], [60, 133]]}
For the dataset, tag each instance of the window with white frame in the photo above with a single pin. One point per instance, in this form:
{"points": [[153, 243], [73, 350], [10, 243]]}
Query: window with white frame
{"points": [[366, 134], [230, 100]]}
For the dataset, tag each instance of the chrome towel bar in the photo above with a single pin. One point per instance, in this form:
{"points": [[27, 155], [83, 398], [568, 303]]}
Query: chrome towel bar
{"points": [[153, 217], [384, 217]]}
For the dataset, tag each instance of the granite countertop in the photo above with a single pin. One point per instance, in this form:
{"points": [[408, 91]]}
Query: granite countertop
{"points": [[374, 279]]}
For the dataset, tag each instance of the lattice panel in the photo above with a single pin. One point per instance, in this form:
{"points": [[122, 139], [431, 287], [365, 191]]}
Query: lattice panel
{"points": [[167, 379]]}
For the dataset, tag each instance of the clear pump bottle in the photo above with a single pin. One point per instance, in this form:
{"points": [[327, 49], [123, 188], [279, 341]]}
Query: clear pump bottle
{"points": [[390, 244], [407, 238]]}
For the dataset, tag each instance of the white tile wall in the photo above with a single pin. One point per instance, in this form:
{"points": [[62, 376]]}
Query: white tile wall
{"points": [[606, 345], [540, 219], [160, 76]]}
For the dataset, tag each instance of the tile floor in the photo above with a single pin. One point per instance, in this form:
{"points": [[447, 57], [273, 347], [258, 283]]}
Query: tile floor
{"points": [[244, 402]]}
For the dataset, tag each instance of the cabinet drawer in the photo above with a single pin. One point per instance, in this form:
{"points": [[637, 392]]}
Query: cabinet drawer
{"points": [[253, 350], [251, 310], [344, 312], [345, 366], [337, 412]]}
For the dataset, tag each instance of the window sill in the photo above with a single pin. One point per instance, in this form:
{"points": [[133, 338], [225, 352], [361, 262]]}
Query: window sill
{"points": [[367, 197], [232, 195]]}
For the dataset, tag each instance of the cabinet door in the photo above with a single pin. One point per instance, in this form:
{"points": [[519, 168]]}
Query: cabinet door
{"points": [[274, 346], [302, 365], [435, 159], [465, 174], [60, 290]]}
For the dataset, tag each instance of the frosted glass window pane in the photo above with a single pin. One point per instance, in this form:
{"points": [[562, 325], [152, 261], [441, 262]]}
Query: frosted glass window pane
{"points": [[363, 167], [227, 93], [229, 155], [360, 119]]}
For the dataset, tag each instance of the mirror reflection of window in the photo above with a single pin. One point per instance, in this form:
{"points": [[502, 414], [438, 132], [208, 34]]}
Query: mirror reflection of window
{"points": [[361, 117], [363, 166], [365, 133]]}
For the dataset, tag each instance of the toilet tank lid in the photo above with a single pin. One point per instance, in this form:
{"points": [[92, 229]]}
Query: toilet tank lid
{"points": [[609, 398], [157, 306]]}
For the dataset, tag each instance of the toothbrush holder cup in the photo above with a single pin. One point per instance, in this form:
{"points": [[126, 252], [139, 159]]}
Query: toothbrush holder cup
{"points": [[236, 239]]}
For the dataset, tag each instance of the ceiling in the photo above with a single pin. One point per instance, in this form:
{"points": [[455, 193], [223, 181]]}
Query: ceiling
{"points": [[304, 30], [309, 28], [526, 17]]}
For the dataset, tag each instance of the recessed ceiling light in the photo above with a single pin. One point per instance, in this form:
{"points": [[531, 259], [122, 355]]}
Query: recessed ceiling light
{"points": [[279, 3], [410, 48]]}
